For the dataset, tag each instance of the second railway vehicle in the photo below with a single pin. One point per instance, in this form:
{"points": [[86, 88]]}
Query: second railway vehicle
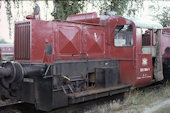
{"points": [[165, 49], [62, 62], [7, 51]]}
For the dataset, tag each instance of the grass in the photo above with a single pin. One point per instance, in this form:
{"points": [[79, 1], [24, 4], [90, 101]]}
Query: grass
{"points": [[163, 110], [135, 101]]}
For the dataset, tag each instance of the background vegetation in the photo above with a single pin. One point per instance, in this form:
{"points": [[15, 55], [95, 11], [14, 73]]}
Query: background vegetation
{"points": [[63, 8]]}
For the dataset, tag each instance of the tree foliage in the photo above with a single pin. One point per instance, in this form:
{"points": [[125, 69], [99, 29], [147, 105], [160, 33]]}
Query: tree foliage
{"points": [[121, 6], [67, 7], [161, 13], [115, 5], [164, 17], [9, 14], [2, 41], [63, 8]]}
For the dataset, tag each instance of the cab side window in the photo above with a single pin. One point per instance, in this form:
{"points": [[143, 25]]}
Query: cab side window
{"points": [[123, 35]]}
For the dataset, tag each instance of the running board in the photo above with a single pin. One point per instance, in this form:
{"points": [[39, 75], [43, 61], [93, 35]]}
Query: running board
{"points": [[97, 93]]}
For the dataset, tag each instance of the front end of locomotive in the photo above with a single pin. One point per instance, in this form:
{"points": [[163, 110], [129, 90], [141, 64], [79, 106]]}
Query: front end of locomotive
{"points": [[23, 79]]}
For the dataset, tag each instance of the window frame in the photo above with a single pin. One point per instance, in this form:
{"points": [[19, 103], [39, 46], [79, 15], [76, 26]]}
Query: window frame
{"points": [[132, 35]]}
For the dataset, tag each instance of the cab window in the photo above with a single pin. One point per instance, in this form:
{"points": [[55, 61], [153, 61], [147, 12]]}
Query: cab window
{"points": [[123, 35]]}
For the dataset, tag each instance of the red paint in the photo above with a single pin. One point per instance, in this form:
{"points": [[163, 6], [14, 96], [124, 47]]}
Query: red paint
{"points": [[7, 49], [30, 17], [144, 72], [87, 17], [88, 36]]}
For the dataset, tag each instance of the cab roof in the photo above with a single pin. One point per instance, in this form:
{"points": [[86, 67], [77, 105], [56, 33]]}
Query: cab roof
{"points": [[139, 22]]}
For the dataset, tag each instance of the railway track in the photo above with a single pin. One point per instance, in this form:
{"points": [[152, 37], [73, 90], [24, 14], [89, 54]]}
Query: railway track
{"points": [[76, 108]]}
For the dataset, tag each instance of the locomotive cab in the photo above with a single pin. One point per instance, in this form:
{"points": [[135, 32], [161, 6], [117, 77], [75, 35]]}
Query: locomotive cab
{"points": [[148, 50]]}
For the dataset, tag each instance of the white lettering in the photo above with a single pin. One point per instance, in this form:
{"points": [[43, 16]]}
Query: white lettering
{"points": [[144, 69], [144, 61], [143, 76]]}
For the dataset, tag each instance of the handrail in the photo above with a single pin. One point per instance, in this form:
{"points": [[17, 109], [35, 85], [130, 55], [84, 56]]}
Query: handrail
{"points": [[87, 77], [134, 58], [79, 54]]}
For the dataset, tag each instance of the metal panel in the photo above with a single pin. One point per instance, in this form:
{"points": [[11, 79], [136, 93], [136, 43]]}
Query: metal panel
{"points": [[59, 99], [79, 67], [97, 93], [27, 91], [144, 69], [22, 41], [69, 40], [43, 93], [94, 41], [107, 76]]}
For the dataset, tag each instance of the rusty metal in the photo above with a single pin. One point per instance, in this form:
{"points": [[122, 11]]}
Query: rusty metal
{"points": [[92, 78], [95, 93]]}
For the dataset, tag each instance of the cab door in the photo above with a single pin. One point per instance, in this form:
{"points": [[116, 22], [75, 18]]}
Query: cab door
{"points": [[147, 56], [144, 66], [144, 69], [123, 49]]}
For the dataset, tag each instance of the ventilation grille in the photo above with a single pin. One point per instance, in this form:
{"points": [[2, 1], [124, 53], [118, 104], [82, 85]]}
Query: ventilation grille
{"points": [[22, 41]]}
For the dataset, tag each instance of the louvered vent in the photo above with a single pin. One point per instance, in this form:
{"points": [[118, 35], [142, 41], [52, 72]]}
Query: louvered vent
{"points": [[22, 41]]}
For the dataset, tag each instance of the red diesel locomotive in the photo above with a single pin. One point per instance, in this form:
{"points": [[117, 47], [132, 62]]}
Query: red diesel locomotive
{"points": [[62, 62]]}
